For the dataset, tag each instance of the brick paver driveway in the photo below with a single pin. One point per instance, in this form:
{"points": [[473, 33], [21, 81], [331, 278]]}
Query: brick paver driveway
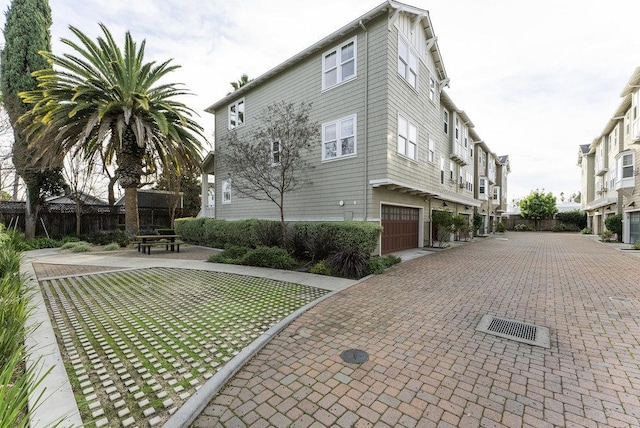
{"points": [[428, 366]]}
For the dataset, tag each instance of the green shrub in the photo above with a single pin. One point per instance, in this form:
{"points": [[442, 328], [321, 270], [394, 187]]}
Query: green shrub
{"points": [[586, 231], [562, 227], [81, 247], [321, 268], [614, 224], [377, 265], [114, 246], [501, 227], [306, 240], [349, 263], [575, 217], [165, 231], [323, 238], [235, 252], [105, 237], [270, 257], [606, 236], [9, 264], [523, 227], [478, 220], [269, 233], [636, 246]]}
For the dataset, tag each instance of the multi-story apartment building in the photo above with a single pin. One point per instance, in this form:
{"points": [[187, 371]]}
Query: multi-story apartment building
{"points": [[610, 166], [393, 146]]}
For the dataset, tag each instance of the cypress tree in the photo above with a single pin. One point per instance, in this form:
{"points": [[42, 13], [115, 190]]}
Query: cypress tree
{"points": [[26, 32]]}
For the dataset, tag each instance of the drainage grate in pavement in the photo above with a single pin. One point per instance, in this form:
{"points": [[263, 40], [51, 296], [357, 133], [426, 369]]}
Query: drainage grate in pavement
{"points": [[515, 330], [354, 356]]}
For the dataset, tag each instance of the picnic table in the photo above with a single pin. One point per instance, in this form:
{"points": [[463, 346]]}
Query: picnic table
{"points": [[145, 242]]}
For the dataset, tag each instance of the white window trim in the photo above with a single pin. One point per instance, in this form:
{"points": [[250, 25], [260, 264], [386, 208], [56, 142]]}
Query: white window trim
{"points": [[339, 79], [226, 183], [408, 141], [445, 119], [244, 112], [432, 151], [412, 55], [272, 151], [337, 123], [432, 88]]}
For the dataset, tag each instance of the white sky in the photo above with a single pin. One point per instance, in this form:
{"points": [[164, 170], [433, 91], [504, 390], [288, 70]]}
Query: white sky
{"points": [[536, 77]]}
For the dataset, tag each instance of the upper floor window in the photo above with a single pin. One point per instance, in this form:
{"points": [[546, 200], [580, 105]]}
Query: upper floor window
{"points": [[276, 152], [482, 186], [627, 165], [339, 64], [441, 170], [236, 114], [451, 170], [431, 149], [432, 88], [445, 117], [407, 138], [496, 193], [226, 191], [339, 138], [457, 122], [407, 63]]}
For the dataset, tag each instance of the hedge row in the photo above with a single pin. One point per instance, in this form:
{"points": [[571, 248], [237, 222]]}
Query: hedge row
{"points": [[314, 239]]}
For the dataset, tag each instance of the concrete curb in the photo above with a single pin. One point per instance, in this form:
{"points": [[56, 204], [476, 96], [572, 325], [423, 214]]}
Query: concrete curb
{"points": [[45, 355], [194, 406]]}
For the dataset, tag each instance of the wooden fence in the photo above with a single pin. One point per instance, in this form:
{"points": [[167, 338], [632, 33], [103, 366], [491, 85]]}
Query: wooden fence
{"points": [[60, 219]]}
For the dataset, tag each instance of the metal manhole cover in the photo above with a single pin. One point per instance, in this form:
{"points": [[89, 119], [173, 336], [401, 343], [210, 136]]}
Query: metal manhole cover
{"points": [[515, 330], [354, 356]]}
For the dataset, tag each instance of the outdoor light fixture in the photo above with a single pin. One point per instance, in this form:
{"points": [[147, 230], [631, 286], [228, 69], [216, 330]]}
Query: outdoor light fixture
{"points": [[444, 204]]}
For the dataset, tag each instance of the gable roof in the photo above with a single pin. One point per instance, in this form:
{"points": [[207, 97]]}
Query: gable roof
{"points": [[422, 16], [84, 197]]}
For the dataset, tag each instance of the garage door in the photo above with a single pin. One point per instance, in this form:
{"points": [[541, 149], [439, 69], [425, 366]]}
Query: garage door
{"points": [[400, 228], [634, 226]]}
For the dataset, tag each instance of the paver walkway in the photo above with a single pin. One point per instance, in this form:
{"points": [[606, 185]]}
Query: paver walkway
{"points": [[429, 367]]}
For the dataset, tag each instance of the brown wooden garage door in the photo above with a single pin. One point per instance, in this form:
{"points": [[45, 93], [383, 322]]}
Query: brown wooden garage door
{"points": [[400, 228]]}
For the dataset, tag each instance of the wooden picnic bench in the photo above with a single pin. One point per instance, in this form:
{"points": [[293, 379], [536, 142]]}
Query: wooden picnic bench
{"points": [[170, 242]]}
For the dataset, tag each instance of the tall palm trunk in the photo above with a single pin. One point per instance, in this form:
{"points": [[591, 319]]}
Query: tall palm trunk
{"points": [[129, 171]]}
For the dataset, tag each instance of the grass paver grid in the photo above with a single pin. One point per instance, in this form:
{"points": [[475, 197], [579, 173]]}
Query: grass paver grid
{"points": [[137, 344]]}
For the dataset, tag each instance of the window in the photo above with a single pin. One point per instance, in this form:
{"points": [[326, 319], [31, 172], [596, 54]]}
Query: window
{"points": [[496, 193], [465, 137], [276, 152], [482, 186], [339, 138], [431, 149], [339, 65], [236, 114], [432, 88], [441, 170], [407, 63], [451, 170], [457, 122], [446, 122], [627, 165], [226, 191], [407, 138]]}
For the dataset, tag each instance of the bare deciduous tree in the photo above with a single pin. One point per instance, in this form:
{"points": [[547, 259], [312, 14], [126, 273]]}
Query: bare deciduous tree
{"points": [[267, 164]]}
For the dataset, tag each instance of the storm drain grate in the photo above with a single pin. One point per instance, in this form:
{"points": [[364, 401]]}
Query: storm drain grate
{"points": [[515, 330]]}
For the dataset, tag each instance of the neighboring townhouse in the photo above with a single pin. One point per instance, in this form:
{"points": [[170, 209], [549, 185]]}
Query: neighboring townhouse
{"points": [[500, 201], [610, 166], [491, 175], [393, 146]]}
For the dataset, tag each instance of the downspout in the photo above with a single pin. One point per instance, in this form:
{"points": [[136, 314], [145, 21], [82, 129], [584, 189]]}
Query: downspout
{"points": [[366, 122]]}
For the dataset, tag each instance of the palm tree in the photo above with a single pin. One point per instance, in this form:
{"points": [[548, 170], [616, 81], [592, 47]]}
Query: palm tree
{"points": [[244, 79], [108, 102]]}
